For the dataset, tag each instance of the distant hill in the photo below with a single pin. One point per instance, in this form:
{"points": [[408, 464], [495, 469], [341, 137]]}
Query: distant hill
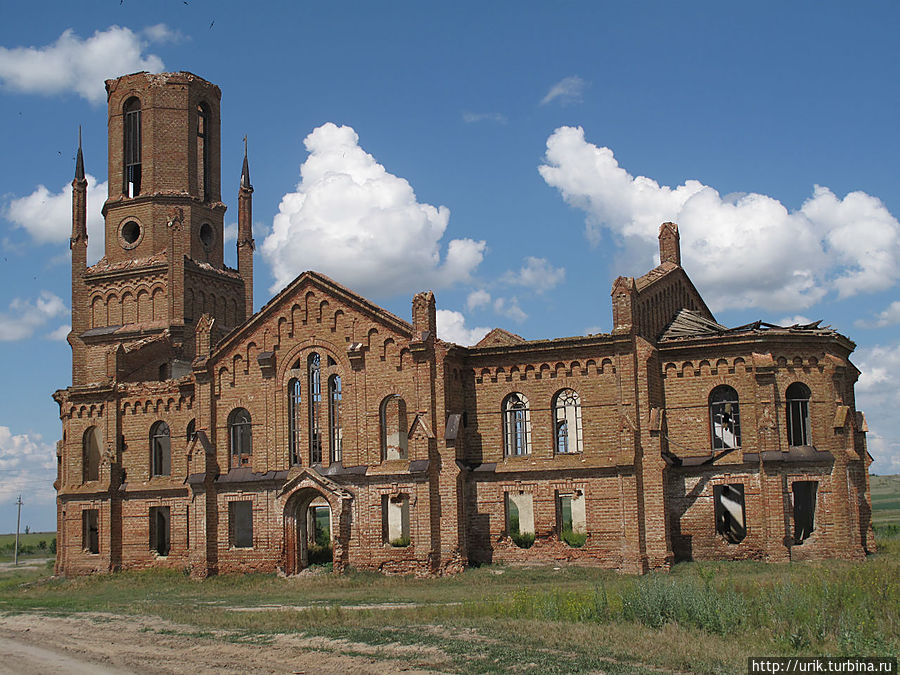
{"points": [[885, 499]]}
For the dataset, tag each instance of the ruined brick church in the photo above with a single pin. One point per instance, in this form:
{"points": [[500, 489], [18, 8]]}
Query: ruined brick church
{"points": [[202, 436]]}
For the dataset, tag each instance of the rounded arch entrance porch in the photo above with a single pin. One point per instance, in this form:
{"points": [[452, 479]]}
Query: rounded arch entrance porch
{"points": [[300, 494]]}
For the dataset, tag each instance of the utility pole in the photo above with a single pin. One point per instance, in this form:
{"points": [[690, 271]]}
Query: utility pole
{"points": [[18, 518]]}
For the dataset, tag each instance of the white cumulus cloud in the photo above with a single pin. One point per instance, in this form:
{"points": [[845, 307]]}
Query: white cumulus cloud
{"points": [[537, 274], [81, 65], [510, 309], [28, 466], [26, 316], [878, 396], [890, 316], [568, 90], [742, 250], [47, 216], [478, 298], [451, 326], [353, 220]]}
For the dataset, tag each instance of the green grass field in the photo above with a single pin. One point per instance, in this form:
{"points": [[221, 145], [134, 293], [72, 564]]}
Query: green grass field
{"points": [[885, 500], [699, 618], [29, 545]]}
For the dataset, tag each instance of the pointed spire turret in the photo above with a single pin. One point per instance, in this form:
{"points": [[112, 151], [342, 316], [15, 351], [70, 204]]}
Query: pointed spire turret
{"points": [[79, 159], [245, 243], [245, 170]]}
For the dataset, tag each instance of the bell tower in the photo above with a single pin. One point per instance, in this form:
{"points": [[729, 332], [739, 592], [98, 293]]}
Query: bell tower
{"points": [[163, 266]]}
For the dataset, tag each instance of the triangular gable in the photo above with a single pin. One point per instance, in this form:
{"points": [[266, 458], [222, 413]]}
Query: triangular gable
{"points": [[667, 269], [419, 421], [325, 485], [499, 337], [294, 289]]}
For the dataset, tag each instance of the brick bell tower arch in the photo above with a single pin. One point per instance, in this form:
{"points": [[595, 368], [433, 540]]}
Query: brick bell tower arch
{"points": [[296, 496]]}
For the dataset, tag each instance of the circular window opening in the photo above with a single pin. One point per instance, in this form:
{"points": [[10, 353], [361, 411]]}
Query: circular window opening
{"points": [[131, 232], [206, 235]]}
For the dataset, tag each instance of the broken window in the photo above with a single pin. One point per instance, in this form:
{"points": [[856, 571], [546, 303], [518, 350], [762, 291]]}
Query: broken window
{"points": [[804, 498], [394, 428], [90, 454], [798, 396], [160, 450], [334, 416], [203, 151], [724, 418], [567, 407], [519, 508], [191, 432], [90, 530], [516, 426], [395, 520], [240, 434], [160, 530], [570, 518], [295, 419], [132, 147], [314, 374], [729, 510], [240, 524]]}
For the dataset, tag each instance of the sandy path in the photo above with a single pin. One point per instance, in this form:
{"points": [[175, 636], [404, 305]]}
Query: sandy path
{"points": [[105, 643]]}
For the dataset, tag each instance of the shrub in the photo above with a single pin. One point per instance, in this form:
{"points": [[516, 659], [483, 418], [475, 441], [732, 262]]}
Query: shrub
{"points": [[319, 555], [523, 540], [53, 546], [574, 539], [400, 542]]}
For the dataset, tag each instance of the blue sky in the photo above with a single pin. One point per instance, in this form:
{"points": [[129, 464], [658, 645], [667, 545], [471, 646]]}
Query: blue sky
{"points": [[517, 157]]}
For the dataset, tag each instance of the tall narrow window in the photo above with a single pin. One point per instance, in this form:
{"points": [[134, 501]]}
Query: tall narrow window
{"points": [[314, 389], [203, 151], [240, 434], [240, 524], [729, 512], [394, 429], [798, 396], [132, 150], [295, 419], [567, 415], [160, 450], [160, 529], [334, 416], [191, 432], [724, 418], [395, 520], [803, 493], [90, 531], [90, 454], [516, 426]]}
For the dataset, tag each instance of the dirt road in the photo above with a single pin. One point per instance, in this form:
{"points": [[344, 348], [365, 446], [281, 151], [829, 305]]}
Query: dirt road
{"points": [[103, 643]]}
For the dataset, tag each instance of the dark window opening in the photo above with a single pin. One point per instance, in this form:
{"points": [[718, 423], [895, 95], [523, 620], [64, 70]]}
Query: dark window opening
{"points": [[724, 418], [90, 530], [804, 496], [730, 513], [315, 404], [240, 524], [160, 450], [334, 415], [295, 420], [206, 235], [163, 371], [132, 149], [203, 152], [798, 396], [131, 232], [90, 454], [160, 531], [191, 430], [240, 434]]}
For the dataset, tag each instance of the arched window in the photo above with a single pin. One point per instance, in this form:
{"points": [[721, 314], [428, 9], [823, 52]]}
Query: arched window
{"points": [[567, 420], [191, 430], [334, 416], [131, 157], [90, 454], [203, 151], [516, 426], [160, 450], [798, 396], [295, 420], [240, 435], [394, 429], [724, 418], [314, 389]]}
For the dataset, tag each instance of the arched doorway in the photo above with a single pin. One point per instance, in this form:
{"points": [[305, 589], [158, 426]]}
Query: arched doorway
{"points": [[316, 522]]}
